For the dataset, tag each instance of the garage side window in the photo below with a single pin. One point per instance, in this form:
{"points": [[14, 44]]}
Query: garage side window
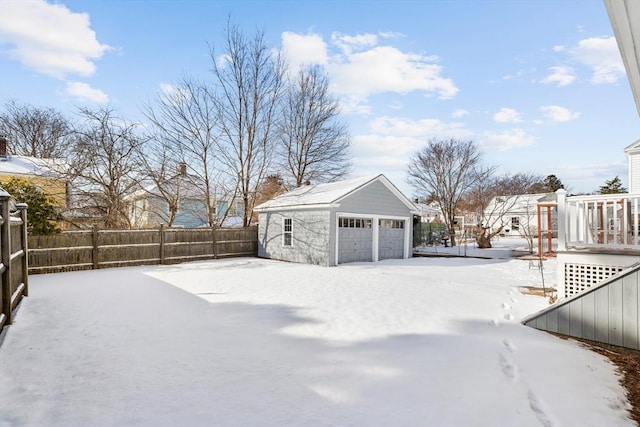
{"points": [[288, 232]]}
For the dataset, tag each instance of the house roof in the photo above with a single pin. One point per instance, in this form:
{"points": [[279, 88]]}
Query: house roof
{"points": [[30, 166], [184, 185], [632, 148], [325, 195], [521, 201], [424, 209], [625, 20]]}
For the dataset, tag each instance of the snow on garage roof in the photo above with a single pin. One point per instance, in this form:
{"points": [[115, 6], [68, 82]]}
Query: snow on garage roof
{"points": [[323, 195]]}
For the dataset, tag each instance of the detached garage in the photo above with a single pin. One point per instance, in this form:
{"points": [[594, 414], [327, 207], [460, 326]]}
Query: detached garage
{"points": [[359, 220]]}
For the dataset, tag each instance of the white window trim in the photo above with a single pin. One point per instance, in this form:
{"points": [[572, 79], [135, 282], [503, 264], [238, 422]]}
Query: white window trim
{"points": [[284, 232]]}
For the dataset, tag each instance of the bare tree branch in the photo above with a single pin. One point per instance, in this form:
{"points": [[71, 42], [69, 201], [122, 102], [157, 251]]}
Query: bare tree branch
{"points": [[104, 168], [447, 169], [249, 79], [314, 144], [34, 132]]}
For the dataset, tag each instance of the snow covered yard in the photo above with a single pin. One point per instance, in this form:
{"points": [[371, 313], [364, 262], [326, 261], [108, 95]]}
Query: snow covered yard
{"points": [[251, 342]]}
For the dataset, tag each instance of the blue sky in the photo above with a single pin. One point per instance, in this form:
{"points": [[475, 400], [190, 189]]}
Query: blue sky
{"points": [[539, 85]]}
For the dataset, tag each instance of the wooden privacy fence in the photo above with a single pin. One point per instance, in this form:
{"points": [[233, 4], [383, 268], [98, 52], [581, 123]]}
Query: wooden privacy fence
{"points": [[93, 249], [14, 281]]}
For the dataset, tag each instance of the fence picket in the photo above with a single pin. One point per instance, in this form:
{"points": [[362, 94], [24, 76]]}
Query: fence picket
{"points": [[112, 248]]}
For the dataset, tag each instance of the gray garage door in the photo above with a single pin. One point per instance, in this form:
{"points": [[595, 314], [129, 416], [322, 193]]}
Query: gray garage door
{"points": [[391, 239], [355, 240]]}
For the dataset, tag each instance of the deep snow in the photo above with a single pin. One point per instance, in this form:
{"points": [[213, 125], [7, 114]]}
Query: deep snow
{"points": [[251, 342]]}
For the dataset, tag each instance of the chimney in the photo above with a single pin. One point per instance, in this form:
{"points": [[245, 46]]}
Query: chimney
{"points": [[182, 169], [3, 146]]}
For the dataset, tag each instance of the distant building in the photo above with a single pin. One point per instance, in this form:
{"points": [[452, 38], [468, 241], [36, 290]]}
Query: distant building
{"points": [[149, 207], [45, 174]]}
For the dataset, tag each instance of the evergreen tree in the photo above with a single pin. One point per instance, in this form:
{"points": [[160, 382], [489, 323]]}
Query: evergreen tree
{"points": [[612, 186], [41, 212], [552, 183]]}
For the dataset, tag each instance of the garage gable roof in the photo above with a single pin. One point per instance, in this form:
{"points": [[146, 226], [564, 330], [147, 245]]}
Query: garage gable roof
{"points": [[326, 195]]}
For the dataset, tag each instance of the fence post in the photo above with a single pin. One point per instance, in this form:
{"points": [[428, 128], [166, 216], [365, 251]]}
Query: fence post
{"points": [[5, 256], [161, 231], [94, 241], [214, 239], [22, 207]]}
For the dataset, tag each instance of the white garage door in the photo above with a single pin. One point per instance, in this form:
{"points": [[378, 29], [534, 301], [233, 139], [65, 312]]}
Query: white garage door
{"points": [[391, 239], [355, 240]]}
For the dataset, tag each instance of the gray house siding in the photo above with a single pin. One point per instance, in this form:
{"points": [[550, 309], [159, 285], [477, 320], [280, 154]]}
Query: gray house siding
{"points": [[309, 236], [608, 313], [374, 197]]}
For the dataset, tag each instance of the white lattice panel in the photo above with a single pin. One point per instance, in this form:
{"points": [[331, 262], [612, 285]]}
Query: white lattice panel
{"points": [[579, 277]]}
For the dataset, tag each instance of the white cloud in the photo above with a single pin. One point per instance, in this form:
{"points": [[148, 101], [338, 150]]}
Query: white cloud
{"points": [[304, 49], [515, 75], [601, 54], [49, 38], [507, 115], [359, 67], [507, 140], [85, 93], [558, 48], [559, 114], [348, 43], [423, 128], [173, 94], [459, 113], [560, 75], [387, 69]]}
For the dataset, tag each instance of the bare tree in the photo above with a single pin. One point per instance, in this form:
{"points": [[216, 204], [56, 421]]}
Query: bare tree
{"points": [[248, 78], [494, 198], [35, 132], [314, 143], [447, 169], [186, 131], [104, 168]]}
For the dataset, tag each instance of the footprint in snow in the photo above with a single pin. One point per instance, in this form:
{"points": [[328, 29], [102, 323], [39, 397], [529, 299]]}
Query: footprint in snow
{"points": [[508, 316], [494, 322], [509, 369], [505, 306], [539, 408], [513, 300], [508, 344]]}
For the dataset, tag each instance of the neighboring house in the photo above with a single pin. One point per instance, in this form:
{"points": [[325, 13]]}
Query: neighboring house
{"points": [[516, 215], [45, 174], [363, 219], [428, 212], [148, 207], [633, 159], [599, 236]]}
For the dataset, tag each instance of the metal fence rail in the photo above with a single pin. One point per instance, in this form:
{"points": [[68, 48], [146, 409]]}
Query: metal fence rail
{"points": [[93, 249]]}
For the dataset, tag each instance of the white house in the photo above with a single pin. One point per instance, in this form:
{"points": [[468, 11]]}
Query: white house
{"points": [[362, 219], [515, 215]]}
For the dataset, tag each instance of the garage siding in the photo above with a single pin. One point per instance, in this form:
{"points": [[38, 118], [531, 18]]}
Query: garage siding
{"points": [[309, 236], [374, 198]]}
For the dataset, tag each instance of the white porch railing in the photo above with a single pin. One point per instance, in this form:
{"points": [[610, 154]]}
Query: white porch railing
{"points": [[600, 221]]}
